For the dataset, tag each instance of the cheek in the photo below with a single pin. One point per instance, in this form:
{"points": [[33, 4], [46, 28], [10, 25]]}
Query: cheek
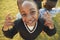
{"points": [[36, 16], [24, 19]]}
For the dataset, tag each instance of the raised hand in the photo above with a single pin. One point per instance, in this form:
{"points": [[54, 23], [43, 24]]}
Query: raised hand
{"points": [[48, 20], [8, 22]]}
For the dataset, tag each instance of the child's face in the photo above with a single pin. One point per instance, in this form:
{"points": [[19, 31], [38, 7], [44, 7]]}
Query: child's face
{"points": [[29, 14], [50, 4]]}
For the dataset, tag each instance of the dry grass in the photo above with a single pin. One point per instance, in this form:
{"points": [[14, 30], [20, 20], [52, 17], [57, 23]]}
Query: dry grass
{"points": [[10, 6]]}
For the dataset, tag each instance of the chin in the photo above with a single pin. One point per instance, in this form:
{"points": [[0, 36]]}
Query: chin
{"points": [[32, 24]]}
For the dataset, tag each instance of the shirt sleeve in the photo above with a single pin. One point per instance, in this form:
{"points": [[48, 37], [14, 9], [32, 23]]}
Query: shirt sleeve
{"points": [[58, 10], [10, 33], [49, 32], [55, 10]]}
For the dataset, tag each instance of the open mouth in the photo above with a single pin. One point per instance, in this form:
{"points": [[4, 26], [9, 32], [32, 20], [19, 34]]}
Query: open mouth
{"points": [[31, 22]]}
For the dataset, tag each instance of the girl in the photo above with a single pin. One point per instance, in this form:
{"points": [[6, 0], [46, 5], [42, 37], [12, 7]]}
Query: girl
{"points": [[30, 26]]}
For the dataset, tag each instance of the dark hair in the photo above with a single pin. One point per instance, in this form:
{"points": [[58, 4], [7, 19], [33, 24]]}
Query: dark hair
{"points": [[19, 2], [38, 2], [53, 0]]}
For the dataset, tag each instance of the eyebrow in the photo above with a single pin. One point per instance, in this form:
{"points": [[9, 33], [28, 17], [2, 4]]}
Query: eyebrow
{"points": [[32, 9]]}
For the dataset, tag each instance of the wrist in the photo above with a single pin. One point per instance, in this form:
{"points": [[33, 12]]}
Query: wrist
{"points": [[5, 28], [51, 27]]}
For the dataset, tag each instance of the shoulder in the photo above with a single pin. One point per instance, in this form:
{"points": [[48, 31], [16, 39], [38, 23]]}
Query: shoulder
{"points": [[42, 9], [41, 20], [19, 21]]}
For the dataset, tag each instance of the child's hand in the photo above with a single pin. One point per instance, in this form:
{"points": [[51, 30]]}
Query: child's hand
{"points": [[8, 22], [48, 20]]}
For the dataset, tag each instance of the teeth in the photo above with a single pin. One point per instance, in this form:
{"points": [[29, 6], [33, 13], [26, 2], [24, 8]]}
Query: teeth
{"points": [[30, 21]]}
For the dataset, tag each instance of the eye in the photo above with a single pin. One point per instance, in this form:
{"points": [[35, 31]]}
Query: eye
{"points": [[33, 12], [23, 15]]}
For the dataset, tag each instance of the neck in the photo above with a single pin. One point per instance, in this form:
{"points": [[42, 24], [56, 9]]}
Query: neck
{"points": [[31, 25]]}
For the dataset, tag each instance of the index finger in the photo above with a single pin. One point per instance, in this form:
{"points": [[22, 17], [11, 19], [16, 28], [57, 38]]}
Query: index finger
{"points": [[8, 15], [47, 15]]}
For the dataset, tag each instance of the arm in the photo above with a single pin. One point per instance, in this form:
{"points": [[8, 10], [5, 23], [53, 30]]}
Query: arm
{"points": [[49, 27], [49, 31], [10, 33], [10, 27]]}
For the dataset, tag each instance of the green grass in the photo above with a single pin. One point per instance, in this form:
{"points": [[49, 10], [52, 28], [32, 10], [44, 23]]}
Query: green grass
{"points": [[10, 6]]}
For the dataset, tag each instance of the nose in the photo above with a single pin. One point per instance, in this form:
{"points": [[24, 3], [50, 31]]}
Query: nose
{"points": [[29, 17]]}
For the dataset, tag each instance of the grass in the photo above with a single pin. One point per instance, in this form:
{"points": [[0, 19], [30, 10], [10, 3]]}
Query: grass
{"points": [[10, 6]]}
